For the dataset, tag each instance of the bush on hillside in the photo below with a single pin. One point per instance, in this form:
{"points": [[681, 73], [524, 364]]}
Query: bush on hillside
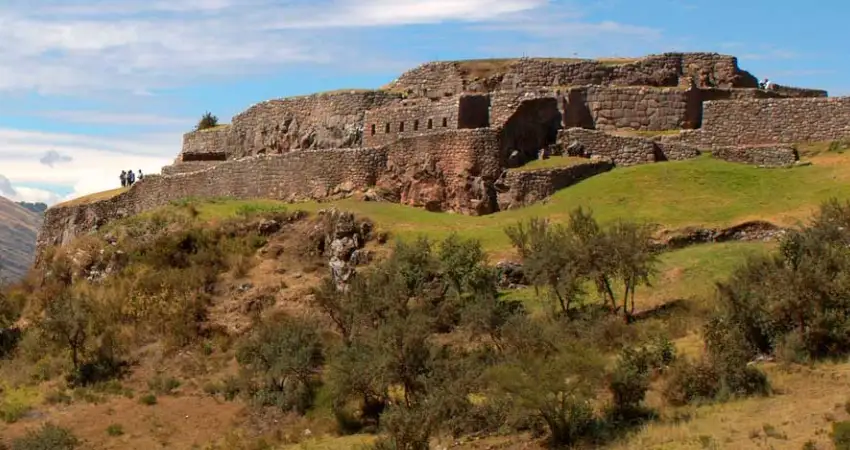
{"points": [[796, 302], [283, 359], [563, 258], [208, 120], [629, 381], [48, 437]]}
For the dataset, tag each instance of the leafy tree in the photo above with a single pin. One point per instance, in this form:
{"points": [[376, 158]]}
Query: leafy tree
{"points": [[68, 321], [555, 385], [208, 120], [795, 300], [550, 260], [284, 358], [562, 259]]}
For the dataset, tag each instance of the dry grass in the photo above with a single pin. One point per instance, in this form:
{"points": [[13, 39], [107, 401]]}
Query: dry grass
{"points": [[92, 198], [215, 128], [807, 402]]}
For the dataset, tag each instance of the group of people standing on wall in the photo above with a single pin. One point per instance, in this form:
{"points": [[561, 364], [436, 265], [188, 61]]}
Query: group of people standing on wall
{"points": [[128, 177]]}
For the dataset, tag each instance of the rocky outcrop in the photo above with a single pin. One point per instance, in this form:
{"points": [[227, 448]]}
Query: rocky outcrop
{"points": [[343, 238], [747, 231]]}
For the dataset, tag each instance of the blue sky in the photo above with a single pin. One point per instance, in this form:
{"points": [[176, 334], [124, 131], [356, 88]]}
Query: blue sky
{"points": [[91, 87]]}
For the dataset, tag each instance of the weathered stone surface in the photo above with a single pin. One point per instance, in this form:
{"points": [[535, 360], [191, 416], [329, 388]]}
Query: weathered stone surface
{"points": [[214, 144], [448, 78], [422, 115], [523, 187], [759, 155], [451, 171], [770, 121], [319, 121]]}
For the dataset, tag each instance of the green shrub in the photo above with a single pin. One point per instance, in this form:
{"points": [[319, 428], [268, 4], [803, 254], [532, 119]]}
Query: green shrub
{"points": [[208, 120], [796, 302], [48, 437], [163, 386], [841, 435], [115, 430], [11, 412], [148, 399], [283, 361]]}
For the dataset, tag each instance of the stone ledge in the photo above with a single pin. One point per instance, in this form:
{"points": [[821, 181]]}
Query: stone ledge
{"points": [[522, 188], [759, 155]]}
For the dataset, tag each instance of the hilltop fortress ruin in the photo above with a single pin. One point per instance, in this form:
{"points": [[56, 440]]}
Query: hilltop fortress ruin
{"points": [[457, 136]]}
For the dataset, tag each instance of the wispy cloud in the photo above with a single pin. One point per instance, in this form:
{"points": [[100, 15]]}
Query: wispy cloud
{"points": [[6, 187], [94, 167], [68, 46], [116, 118], [53, 157]]}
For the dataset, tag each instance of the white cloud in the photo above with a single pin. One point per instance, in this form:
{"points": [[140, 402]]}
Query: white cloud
{"points": [[53, 46], [117, 118], [94, 167]]}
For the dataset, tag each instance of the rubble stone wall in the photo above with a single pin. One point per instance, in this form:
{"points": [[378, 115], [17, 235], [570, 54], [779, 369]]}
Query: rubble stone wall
{"points": [[319, 121], [771, 121], [437, 79], [529, 186], [764, 155]]}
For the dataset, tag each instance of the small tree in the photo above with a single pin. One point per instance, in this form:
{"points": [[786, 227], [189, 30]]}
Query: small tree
{"points": [[208, 120], [549, 259], [68, 321], [284, 358]]}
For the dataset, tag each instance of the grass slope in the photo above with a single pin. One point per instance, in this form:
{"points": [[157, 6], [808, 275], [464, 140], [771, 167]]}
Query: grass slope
{"points": [[699, 192]]}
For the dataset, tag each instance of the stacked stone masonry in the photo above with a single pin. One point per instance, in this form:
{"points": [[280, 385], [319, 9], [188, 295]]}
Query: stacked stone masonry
{"points": [[450, 78], [759, 155], [770, 121], [524, 187], [417, 116], [624, 150]]}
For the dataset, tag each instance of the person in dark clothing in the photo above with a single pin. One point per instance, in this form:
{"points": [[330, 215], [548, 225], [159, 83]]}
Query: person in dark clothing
{"points": [[131, 177], [123, 178]]}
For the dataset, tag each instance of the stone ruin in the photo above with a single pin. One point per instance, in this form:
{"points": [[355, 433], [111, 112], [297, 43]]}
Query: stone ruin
{"points": [[455, 136]]}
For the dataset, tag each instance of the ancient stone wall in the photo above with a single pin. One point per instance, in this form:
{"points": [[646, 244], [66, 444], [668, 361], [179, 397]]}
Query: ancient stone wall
{"points": [[524, 187], [759, 155], [623, 151], [453, 77], [768, 121], [641, 108], [214, 144], [675, 151], [320, 121], [452, 171], [309, 174], [186, 167], [796, 92], [409, 118], [449, 171]]}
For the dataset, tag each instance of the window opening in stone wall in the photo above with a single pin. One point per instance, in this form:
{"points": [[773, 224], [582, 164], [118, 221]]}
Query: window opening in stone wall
{"points": [[401, 127], [445, 122], [373, 129], [415, 125], [387, 128], [430, 123]]}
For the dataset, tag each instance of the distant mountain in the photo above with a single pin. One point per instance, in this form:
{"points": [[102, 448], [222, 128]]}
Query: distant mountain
{"points": [[18, 230], [37, 208]]}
